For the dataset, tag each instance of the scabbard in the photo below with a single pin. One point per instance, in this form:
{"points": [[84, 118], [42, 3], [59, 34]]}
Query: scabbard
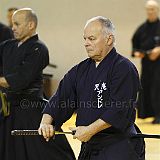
{"points": [[140, 135]]}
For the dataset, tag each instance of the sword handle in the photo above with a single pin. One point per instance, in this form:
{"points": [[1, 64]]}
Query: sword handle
{"points": [[35, 133], [24, 133]]}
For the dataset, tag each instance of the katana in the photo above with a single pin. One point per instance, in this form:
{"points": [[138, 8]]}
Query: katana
{"points": [[35, 133]]}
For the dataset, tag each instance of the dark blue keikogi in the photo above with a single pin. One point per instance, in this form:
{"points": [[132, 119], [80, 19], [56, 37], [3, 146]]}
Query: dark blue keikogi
{"points": [[107, 92]]}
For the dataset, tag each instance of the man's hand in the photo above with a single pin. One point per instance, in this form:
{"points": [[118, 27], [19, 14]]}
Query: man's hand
{"points": [[155, 53], [46, 130], [3, 82], [83, 133], [139, 54]]}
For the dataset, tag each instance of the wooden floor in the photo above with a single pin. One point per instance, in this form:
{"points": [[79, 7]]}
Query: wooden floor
{"points": [[152, 145]]}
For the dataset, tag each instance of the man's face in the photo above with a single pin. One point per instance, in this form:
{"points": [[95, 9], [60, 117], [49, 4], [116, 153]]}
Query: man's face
{"points": [[95, 41], [152, 12], [21, 27]]}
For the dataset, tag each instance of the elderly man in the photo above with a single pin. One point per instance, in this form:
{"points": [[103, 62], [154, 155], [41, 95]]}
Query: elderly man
{"points": [[146, 46], [103, 90], [22, 61]]}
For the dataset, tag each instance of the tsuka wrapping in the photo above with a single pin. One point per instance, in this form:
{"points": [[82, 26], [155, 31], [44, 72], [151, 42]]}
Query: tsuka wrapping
{"points": [[24, 133], [35, 132]]}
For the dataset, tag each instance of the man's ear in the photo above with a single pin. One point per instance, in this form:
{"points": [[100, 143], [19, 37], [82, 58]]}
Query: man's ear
{"points": [[110, 40], [31, 25]]}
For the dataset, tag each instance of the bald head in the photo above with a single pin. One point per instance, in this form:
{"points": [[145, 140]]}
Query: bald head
{"points": [[106, 24], [152, 10], [29, 15], [152, 3], [24, 24]]}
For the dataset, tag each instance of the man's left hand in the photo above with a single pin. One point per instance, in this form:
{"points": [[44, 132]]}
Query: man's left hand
{"points": [[155, 53], [83, 133]]}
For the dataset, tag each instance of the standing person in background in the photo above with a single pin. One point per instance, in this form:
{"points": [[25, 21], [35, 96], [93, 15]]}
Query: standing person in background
{"points": [[10, 12], [146, 46], [5, 32], [22, 61], [102, 89]]}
